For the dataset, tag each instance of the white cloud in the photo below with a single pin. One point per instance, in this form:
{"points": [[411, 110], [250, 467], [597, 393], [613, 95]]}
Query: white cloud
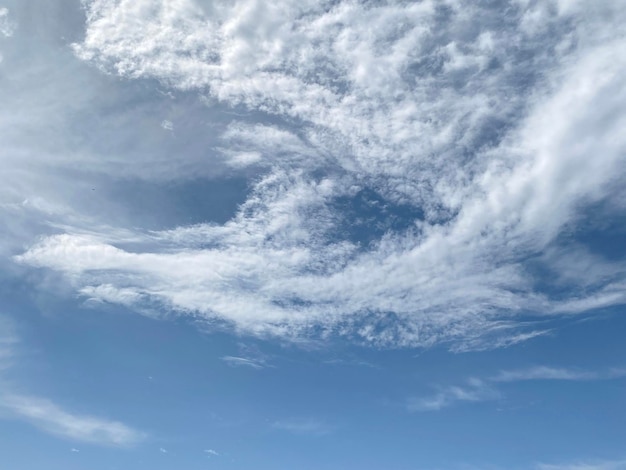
{"points": [[7, 27], [55, 420], [211, 452], [502, 137], [475, 391], [352, 362], [162, 450], [167, 125], [479, 390], [244, 159], [552, 373], [235, 361]]}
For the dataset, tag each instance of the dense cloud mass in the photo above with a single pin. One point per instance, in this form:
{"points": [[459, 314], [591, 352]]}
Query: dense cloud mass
{"points": [[420, 172]]}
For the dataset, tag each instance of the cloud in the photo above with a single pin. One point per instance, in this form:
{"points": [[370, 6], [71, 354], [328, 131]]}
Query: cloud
{"points": [[7, 27], [167, 125], [235, 361], [74, 450], [49, 416], [53, 419], [162, 450], [352, 362], [211, 452], [551, 373], [475, 391], [479, 390], [597, 465], [466, 152]]}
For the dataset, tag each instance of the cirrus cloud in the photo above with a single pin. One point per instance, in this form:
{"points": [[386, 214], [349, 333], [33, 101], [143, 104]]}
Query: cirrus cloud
{"points": [[488, 131]]}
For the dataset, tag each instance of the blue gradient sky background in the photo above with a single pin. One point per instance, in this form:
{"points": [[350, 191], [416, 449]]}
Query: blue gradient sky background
{"points": [[313, 235]]}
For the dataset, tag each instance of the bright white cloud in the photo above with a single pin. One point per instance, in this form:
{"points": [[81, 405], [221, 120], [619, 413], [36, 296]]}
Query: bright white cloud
{"points": [[501, 137]]}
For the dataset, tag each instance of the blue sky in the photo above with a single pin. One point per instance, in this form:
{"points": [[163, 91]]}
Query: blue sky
{"points": [[312, 234]]}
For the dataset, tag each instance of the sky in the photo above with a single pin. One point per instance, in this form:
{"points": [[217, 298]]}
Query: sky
{"points": [[312, 234]]}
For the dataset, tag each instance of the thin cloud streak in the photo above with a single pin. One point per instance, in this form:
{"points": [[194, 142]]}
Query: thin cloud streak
{"points": [[480, 390], [590, 465], [551, 373], [235, 361]]}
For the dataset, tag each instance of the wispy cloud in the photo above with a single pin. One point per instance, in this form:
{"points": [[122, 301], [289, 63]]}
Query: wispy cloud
{"points": [[235, 361], [49, 416], [475, 391], [352, 362], [7, 26], [211, 452], [479, 390], [589, 465], [250, 355], [552, 373], [486, 158], [55, 420]]}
